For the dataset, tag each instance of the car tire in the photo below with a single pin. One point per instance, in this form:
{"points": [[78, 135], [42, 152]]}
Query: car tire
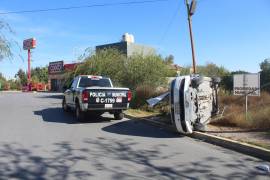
{"points": [[80, 115], [118, 115], [216, 80], [65, 106], [195, 83]]}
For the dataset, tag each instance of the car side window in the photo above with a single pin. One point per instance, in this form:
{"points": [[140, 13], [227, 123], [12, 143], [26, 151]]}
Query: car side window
{"points": [[70, 84], [74, 83]]}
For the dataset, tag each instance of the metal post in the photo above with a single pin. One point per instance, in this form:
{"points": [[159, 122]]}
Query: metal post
{"points": [[191, 38], [246, 107], [29, 69], [245, 85]]}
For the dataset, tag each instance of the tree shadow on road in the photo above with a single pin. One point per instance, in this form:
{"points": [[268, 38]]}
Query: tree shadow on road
{"points": [[118, 159], [57, 115], [21, 163]]}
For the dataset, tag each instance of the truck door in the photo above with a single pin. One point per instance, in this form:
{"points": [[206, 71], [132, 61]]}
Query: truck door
{"points": [[70, 93]]}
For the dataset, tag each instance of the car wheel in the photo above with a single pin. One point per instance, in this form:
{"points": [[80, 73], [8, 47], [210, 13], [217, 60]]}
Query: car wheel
{"points": [[64, 105], [118, 115], [80, 116], [216, 80], [195, 83]]}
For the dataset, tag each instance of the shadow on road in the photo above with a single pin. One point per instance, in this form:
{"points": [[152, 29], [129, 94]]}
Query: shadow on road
{"points": [[21, 163], [117, 159], [57, 115], [135, 128], [53, 96]]}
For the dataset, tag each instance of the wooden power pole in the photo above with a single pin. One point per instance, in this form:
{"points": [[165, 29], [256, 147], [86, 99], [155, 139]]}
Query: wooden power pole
{"points": [[190, 11]]}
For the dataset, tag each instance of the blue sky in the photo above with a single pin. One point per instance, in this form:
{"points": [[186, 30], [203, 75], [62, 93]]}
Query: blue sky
{"points": [[231, 33]]}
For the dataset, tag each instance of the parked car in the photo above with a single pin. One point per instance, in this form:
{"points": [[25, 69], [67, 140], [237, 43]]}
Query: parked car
{"points": [[94, 95]]}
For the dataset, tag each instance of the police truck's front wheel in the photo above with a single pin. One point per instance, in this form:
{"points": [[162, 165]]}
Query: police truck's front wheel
{"points": [[64, 105], [80, 116]]}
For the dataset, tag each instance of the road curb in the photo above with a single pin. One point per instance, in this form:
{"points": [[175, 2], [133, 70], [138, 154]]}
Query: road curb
{"points": [[244, 148], [10, 91]]}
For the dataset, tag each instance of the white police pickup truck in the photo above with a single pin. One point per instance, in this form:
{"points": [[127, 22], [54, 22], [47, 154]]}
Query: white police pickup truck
{"points": [[94, 95]]}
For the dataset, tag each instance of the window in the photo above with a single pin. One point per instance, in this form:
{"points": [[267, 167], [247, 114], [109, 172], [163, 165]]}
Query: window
{"points": [[74, 83], [88, 82]]}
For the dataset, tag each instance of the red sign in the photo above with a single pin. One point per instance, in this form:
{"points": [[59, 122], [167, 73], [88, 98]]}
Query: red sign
{"points": [[70, 67], [29, 43]]}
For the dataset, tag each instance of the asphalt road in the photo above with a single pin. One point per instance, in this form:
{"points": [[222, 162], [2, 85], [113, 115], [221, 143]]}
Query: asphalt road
{"points": [[39, 141]]}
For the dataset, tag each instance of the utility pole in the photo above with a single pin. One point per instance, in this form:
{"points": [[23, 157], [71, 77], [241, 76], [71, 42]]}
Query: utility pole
{"points": [[29, 44], [190, 11], [29, 67]]}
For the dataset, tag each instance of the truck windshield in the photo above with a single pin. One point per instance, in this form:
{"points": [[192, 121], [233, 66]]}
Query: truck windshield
{"points": [[88, 82]]}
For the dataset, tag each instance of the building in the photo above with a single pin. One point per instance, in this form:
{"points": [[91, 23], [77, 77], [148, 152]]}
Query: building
{"points": [[56, 72], [128, 47]]}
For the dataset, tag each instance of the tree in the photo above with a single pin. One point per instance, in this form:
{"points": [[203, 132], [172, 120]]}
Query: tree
{"points": [[2, 77], [130, 71], [22, 77], [40, 74], [227, 81], [2, 81], [212, 70], [108, 62], [5, 44], [265, 74], [169, 59], [148, 70]]}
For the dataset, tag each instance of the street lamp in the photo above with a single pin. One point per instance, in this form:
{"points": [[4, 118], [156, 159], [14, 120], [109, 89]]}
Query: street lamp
{"points": [[190, 11]]}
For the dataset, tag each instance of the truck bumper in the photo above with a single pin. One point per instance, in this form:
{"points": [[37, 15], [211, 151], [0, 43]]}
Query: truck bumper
{"points": [[104, 107]]}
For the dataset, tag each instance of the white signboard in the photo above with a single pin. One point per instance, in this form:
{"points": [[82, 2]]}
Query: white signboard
{"points": [[246, 84], [56, 67]]}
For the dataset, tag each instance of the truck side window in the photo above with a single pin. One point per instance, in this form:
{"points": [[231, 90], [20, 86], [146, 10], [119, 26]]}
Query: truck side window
{"points": [[69, 84], [74, 83]]}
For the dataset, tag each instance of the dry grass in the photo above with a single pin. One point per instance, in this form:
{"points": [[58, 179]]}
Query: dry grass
{"points": [[140, 113], [142, 93], [258, 114]]}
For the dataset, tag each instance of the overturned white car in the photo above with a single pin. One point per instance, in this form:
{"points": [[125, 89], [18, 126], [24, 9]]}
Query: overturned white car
{"points": [[193, 101]]}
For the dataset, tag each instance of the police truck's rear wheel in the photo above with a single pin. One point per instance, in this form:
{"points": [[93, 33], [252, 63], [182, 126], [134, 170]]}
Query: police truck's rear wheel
{"points": [[118, 115], [80, 116]]}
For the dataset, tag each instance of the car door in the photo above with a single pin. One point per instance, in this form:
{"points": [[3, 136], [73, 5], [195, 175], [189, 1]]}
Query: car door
{"points": [[69, 93], [73, 92]]}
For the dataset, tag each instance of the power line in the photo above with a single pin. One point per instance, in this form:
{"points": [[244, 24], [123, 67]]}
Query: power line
{"points": [[169, 24], [83, 6]]}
